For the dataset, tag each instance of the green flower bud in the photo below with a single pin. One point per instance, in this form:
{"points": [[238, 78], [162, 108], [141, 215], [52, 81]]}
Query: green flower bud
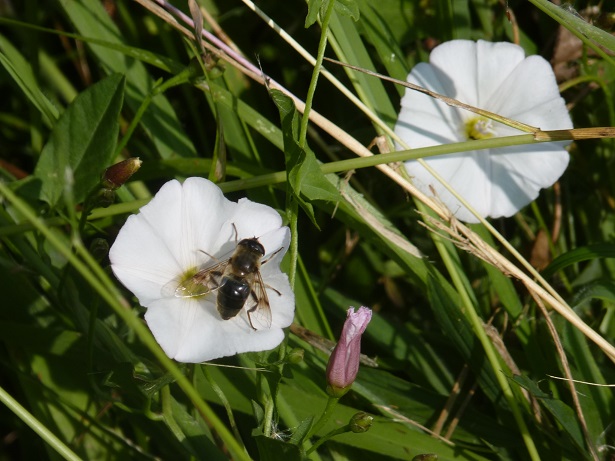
{"points": [[361, 422], [99, 248], [104, 197], [295, 356]]}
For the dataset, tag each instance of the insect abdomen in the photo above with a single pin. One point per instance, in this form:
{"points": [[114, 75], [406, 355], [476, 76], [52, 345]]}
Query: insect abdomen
{"points": [[232, 295]]}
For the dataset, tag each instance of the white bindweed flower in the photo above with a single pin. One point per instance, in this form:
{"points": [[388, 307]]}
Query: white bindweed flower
{"points": [[498, 78], [186, 228]]}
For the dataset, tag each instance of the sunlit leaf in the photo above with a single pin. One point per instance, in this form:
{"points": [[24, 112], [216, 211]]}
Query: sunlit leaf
{"points": [[82, 142]]}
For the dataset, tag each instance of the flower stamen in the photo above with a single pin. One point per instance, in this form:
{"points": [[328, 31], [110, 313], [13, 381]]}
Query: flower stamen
{"points": [[479, 127]]}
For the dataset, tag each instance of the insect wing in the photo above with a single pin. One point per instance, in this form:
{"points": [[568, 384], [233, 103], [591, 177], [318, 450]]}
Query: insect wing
{"points": [[261, 313], [203, 282]]}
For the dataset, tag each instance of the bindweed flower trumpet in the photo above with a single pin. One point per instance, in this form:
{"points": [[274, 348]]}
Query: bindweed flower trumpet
{"points": [[344, 362]]}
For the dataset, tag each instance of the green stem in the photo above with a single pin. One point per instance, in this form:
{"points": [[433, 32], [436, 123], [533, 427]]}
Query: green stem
{"points": [[280, 176], [37, 426], [225, 403], [492, 356], [590, 36], [392, 157], [167, 414], [333, 433], [324, 418], [178, 79], [603, 86], [322, 46], [93, 274], [293, 251], [268, 417], [375, 160]]}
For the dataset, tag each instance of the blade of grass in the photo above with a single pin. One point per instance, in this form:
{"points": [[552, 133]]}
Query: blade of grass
{"points": [[98, 279], [37, 427]]}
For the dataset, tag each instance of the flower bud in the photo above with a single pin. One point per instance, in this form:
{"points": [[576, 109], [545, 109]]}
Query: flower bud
{"points": [[344, 361], [99, 248], [116, 175], [361, 422], [104, 197], [295, 356]]}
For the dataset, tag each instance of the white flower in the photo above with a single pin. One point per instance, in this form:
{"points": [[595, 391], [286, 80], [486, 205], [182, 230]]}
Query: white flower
{"points": [[170, 239], [498, 78]]}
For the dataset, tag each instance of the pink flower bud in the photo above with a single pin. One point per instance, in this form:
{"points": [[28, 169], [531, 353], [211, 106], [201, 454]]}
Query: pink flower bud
{"points": [[344, 362]]}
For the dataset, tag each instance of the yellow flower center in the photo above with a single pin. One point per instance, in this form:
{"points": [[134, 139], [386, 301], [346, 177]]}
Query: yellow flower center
{"points": [[479, 127]]}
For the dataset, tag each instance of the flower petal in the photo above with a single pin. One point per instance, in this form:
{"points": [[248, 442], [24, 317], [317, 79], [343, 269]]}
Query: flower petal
{"points": [[182, 229], [204, 212], [539, 103], [467, 173], [190, 330], [495, 61], [495, 77], [456, 65], [519, 174], [425, 121], [142, 270]]}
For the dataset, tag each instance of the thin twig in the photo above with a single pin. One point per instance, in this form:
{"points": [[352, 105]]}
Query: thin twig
{"points": [[452, 398]]}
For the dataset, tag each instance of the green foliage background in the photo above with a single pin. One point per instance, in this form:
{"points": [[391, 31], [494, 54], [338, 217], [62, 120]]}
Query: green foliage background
{"points": [[461, 354]]}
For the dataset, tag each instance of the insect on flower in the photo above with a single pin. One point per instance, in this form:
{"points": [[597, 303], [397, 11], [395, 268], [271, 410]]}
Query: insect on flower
{"points": [[237, 280], [158, 255]]}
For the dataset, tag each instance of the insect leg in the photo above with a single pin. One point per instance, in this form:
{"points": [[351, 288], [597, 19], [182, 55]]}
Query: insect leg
{"points": [[250, 320], [272, 255], [253, 308], [236, 233], [257, 302], [271, 288], [211, 256]]}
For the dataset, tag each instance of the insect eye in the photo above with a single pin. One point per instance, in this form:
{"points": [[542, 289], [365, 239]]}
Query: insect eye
{"points": [[253, 245]]}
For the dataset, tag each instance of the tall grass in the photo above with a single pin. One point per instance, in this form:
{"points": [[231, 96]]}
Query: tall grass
{"points": [[489, 341]]}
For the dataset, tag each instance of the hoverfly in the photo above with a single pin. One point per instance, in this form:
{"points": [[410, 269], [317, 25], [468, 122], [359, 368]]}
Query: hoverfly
{"points": [[237, 280]]}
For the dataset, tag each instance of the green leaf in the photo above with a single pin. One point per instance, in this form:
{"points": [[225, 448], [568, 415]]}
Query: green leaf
{"points": [[603, 289], [313, 9], [343, 7], [351, 48], [387, 437], [309, 311], [457, 328], [271, 449], [348, 8], [82, 141], [302, 430], [305, 178], [198, 441], [384, 25], [589, 252], [160, 121], [504, 289], [399, 399], [564, 415], [597, 399], [21, 71]]}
